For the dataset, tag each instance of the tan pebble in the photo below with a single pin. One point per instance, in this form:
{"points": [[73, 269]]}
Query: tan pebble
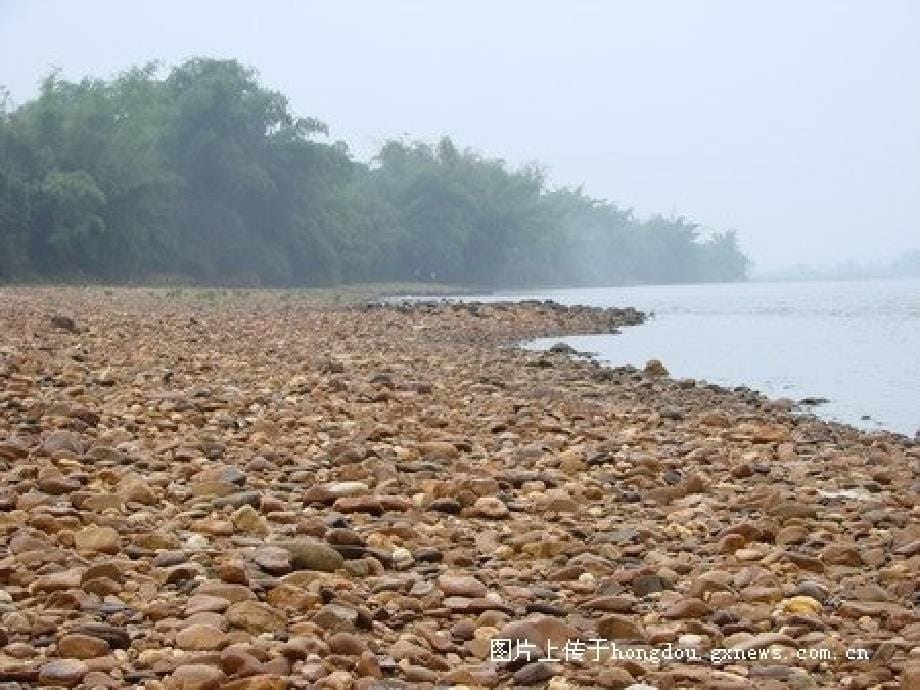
{"points": [[687, 608], [235, 660], [260, 681], [199, 603], [910, 676], [196, 677], [438, 450], [247, 519], [309, 554], [135, 489], [99, 679], [614, 678], [618, 627], [79, 646], [418, 674], [103, 539], [20, 650], [233, 572], [272, 559], [200, 637], [335, 617], [292, 598], [802, 604], [256, 617], [367, 666], [52, 582], [489, 507], [346, 643], [458, 584]]}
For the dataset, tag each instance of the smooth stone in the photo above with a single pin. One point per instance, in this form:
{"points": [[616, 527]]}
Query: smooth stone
{"points": [[116, 637], [259, 681], [63, 672], [273, 559], [200, 603], [308, 554], [196, 677], [247, 519], [461, 585], [533, 673], [63, 439], [200, 637], [619, 628], [62, 580], [80, 646], [346, 643], [103, 539], [256, 617], [336, 618], [810, 588], [691, 607], [489, 507], [539, 630]]}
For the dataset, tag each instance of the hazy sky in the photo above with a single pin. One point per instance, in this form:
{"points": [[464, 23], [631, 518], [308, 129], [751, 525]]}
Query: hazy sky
{"points": [[796, 122]]}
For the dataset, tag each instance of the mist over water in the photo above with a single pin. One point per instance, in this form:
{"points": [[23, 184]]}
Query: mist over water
{"points": [[854, 343]]}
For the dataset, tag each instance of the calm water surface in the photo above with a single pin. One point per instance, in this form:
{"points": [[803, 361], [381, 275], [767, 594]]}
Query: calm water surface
{"points": [[855, 343]]}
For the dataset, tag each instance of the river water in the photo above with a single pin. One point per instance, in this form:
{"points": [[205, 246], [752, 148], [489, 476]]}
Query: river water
{"points": [[855, 343]]}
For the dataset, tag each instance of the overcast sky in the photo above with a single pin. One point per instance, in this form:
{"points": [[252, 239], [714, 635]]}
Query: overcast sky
{"points": [[796, 122]]}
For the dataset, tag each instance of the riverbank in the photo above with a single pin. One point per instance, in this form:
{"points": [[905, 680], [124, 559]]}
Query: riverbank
{"points": [[258, 489], [852, 344]]}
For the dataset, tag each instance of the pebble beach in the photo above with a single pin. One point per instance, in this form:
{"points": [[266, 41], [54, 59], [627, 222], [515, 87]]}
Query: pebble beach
{"points": [[263, 489]]}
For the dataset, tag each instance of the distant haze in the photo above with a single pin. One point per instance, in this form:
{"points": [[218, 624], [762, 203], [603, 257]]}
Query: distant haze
{"points": [[798, 123]]}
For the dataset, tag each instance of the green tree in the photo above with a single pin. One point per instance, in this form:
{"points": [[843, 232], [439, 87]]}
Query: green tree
{"points": [[202, 172]]}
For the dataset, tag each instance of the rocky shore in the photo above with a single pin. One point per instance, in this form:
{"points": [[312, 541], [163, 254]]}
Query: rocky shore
{"points": [[259, 490]]}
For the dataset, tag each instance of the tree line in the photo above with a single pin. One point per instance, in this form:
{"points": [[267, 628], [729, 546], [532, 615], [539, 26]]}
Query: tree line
{"points": [[202, 175]]}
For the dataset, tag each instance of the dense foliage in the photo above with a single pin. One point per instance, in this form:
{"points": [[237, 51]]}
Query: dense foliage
{"points": [[203, 175]]}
